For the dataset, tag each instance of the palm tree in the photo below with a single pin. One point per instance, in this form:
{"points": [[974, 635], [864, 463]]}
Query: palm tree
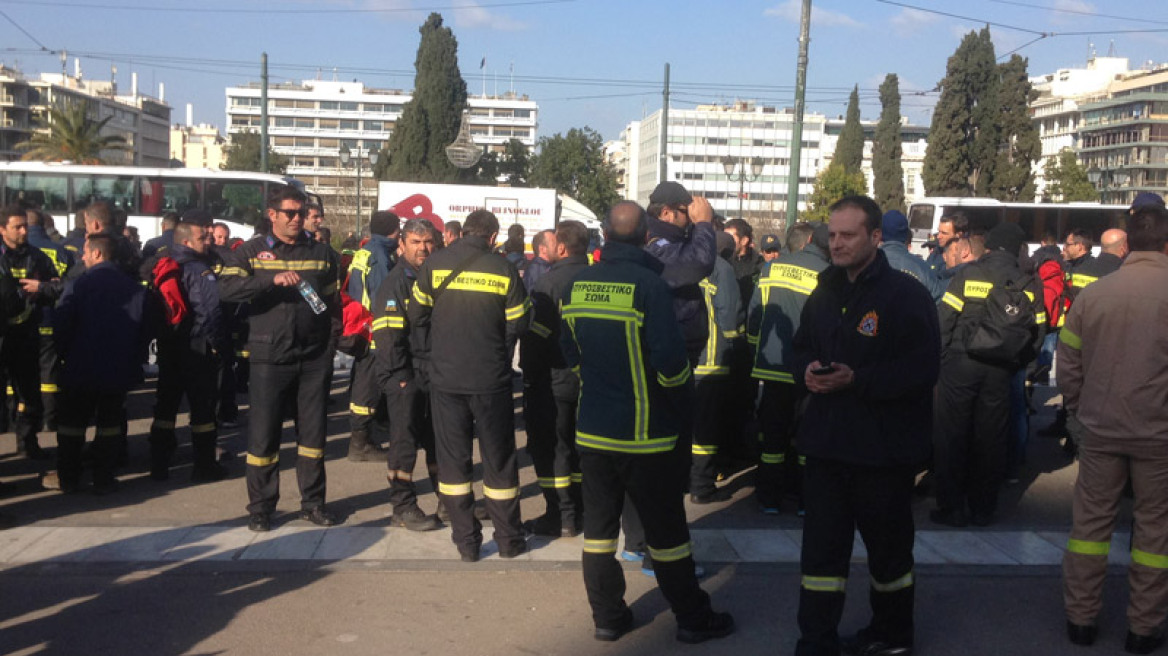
{"points": [[71, 136]]}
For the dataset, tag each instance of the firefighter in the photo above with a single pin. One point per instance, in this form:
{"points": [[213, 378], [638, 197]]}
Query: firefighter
{"points": [[50, 364], [773, 318], [189, 349], [406, 395], [290, 281], [371, 265], [551, 390], [620, 331], [469, 309]]}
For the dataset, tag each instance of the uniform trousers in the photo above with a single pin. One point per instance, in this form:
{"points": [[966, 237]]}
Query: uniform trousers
{"points": [[20, 360], [458, 418], [364, 396], [304, 384], [1104, 468], [839, 499], [779, 468], [410, 428], [711, 395], [228, 409], [551, 442], [79, 407], [183, 371], [971, 438], [50, 366], [653, 484]]}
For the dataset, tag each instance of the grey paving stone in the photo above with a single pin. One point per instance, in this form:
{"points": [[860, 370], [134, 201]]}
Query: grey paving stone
{"points": [[66, 544], [15, 540], [137, 544], [210, 543], [353, 543], [712, 546], [964, 547], [763, 546], [547, 549], [284, 543], [431, 545], [1025, 547]]}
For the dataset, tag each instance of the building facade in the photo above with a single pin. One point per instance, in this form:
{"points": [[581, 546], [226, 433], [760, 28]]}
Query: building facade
{"points": [[197, 146], [312, 121], [914, 139], [142, 121]]}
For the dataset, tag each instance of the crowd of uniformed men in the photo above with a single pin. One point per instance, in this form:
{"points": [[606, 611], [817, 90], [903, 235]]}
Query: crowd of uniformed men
{"points": [[837, 362]]}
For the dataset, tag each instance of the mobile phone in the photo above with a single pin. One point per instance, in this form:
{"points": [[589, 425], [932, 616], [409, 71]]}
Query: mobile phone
{"points": [[820, 371]]}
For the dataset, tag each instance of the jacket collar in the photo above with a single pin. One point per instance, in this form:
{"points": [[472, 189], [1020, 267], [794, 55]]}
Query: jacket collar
{"points": [[812, 249], [570, 261], [472, 241], [1152, 257], [659, 229], [618, 252], [837, 275]]}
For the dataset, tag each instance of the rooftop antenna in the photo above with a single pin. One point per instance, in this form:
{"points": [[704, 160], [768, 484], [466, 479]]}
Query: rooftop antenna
{"points": [[113, 80], [512, 78], [1090, 50], [335, 74], [64, 65], [1111, 49]]}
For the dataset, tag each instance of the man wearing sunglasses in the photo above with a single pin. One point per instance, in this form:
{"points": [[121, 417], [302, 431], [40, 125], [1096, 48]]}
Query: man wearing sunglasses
{"points": [[291, 340]]}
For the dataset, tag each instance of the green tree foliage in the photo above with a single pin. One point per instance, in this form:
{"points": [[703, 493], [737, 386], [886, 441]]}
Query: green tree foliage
{"points": [[430, 120], [486, 172], [515, 165], [1066, 180], [831, 185], [243, 154], [887, 172], [71, 135], [963, 139], [1019, 144], [849, 150], [574, 164]]}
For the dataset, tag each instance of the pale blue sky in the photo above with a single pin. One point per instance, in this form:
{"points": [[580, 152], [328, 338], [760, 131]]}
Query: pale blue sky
{"points": [[587, 62]]}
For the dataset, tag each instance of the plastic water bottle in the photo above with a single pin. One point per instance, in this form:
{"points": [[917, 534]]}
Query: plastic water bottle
{"points": [[311, 296]]}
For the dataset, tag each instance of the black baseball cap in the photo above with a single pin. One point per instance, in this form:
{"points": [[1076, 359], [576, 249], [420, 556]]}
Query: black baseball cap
{"points": [[769, 243], [670, 193], [197, 216]]}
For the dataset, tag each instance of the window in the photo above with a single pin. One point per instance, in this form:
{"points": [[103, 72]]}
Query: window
{"points": [[285, 142], [305, 123], [350, 126], [349, 107], [523, 113], [305, 104], [45, 190], [373, 126], [161, 195], [284, 104], [282, 122], [327, 162], [374, 107], [238, 202], [329, 105], [351, 144], [304, 142], [329, 124], [504, 113], [328, 143]]}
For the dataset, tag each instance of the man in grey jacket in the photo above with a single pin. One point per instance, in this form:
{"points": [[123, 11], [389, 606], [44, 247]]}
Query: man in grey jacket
{"points": [[895, 242]]}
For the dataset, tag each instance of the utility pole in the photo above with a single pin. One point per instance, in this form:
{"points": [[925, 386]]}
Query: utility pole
{"points": [[264, 112], [663, 147], [797, 127]]}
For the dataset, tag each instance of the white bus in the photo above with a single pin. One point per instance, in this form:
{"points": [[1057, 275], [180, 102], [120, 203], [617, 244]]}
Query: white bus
{"points": [[145, 194], [1035, 219]]}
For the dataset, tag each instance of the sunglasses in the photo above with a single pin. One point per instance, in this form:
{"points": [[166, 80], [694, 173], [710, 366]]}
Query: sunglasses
{"points": [[292, 214]]}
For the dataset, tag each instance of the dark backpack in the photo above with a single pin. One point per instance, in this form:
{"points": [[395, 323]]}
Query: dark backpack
{"points": [[1005, 334]]}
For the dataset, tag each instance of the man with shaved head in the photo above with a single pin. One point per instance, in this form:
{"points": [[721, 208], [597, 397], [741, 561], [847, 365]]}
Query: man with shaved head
{"points": [[619, 332]]}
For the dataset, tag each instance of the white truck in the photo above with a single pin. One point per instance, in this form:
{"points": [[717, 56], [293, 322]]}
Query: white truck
{"points": [[534, 209]]}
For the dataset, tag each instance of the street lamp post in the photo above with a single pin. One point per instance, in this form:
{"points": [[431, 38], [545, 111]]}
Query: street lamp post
{"points": [[1102, 179], [346, 155], [730, 164]]}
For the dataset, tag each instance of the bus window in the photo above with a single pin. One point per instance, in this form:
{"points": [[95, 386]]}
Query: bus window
{"points": [[920, 217], [981, 217], [47, 191], [1093, 220], [236, 201], [117, 190], [162, 195]]}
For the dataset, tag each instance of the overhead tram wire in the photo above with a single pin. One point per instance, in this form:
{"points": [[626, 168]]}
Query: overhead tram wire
{"points": [[1078, 12], [25, 32]]}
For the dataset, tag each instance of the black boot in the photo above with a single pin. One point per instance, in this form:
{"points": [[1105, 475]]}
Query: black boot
{"points": [[206, 468], [162, 447], [361, 449]]}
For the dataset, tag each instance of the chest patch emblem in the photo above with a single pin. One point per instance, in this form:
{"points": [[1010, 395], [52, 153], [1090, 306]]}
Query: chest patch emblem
{"points": [[265, 255], [390, 304], [869, 325]]}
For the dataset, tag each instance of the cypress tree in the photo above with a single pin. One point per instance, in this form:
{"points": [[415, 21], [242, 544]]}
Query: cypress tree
{"points": [[430, 120], [987, 137], [1020, 146], [849, 149], [887, 172], [948, 164], [1066, 180]]}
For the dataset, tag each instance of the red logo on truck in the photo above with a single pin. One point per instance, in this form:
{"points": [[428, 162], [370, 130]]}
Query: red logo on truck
{"points": [[418, 206]]}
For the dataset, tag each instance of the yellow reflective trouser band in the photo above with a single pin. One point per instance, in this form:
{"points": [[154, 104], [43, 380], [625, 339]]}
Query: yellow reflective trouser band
{"points": [[1155, 561], [9, 390], [705, 449], [162, 425], [309, 452], [454, 489], [71, 431], [46, 330], [1071, 339], [825, 583], [49, 388], [774, 458], [555, 482], [802, 461], [501, 493], [360, 409], [243, 354], [1088, 548], [203, 428], [263, 461], [600, 546], [892, 586], [672, 555], [399, 475], [577, 477], [108, 431]]}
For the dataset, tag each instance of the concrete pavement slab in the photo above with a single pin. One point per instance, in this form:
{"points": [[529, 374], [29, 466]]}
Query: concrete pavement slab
{"points": [[964, 547], [284, 543], [210, 543]]}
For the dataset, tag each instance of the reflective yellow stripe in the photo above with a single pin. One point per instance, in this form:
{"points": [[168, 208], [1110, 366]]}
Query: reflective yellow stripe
{"points": [[773, 458], [732, 334], [162, 424], [239, 272], [704, 449], [1040, 318], [49, 388], [243, 354], [674, 381], [892, 586], [1061, 320], [1081, 280], [517, 312], [656, 445], [263, 461], [360, 410], [640, 385], [473, 281], [598, 312], [1029, 295], [288, 265], [203, 428], [600, 546], [454, 489], [46, 330], [1071, 339], [825, 583], [953, 301], [422, 297], [711, 370], [673, 554], [540, 330], [399, 475], [501, 493], [385, 323], [309, 452], [1155, 561], [977, 289], [577, 477], [1088, 548], [555, 482], [802, 461], [776, 376]]}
